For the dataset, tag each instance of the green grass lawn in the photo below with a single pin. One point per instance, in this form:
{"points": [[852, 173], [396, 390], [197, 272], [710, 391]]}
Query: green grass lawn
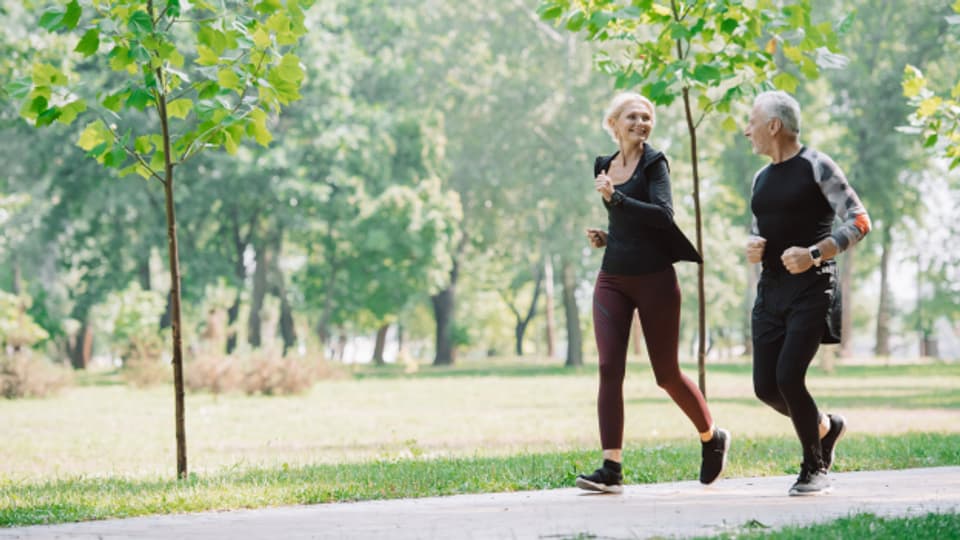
{"points": [[103, 450], [927, 527]]}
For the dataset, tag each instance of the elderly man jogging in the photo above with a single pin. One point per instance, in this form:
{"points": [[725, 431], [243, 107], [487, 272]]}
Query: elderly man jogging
{"points": [[795, 200]]}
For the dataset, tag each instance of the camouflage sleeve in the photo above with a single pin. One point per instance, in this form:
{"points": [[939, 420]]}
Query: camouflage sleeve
{"points": [[844, 201]]}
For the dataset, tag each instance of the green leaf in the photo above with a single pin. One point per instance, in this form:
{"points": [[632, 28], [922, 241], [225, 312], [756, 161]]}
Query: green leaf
{"points": [[19, 88], [173, 8], [206, 56], [931, 141], [72, 16], [208, 90], [120, 58], [47, 75], [844, 26], [228, 79], [114, 102], [89, 43], [729, 25], [140, 23], [258, 127], [261, 38], [36, 106], [142, 144], [576, 21], [730, 125], [785, 81], [139, 99], [794, 54], [115, 157], [549, 10], [94, 135], [229, 144], [706, 73], [179, 108], [69, 112], [51, 19], [46, 117]]}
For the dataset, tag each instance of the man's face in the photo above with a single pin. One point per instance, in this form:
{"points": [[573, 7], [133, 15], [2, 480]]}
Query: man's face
{"points": [[760, 131]]}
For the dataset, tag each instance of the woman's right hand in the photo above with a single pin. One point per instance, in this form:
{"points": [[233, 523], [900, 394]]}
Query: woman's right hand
{"points": [[598, 237], [604, 185], [755, 246]]}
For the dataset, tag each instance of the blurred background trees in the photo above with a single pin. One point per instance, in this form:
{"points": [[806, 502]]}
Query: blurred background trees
{"points": [[425, 199]]}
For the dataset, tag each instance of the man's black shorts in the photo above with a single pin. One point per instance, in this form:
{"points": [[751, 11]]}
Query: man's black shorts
{"points": [[804, 302]]}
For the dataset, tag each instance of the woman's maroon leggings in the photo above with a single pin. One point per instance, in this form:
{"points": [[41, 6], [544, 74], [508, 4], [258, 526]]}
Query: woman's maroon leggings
{"points": [[656, 297]]}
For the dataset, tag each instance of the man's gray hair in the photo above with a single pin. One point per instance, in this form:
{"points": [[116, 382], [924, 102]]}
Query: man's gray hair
{"points": [[779, 104]]}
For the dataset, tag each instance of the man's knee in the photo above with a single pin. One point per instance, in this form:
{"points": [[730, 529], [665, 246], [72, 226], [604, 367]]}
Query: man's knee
{"points": [[767, 393]]}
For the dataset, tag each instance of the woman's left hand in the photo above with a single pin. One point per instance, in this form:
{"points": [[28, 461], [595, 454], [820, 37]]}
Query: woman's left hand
{"points": [[604, 185]]}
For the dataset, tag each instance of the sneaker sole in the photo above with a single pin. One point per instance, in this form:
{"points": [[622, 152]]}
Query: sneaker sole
{"points": [[824, 491], [587, 485], [833, 451], [723, 464]]}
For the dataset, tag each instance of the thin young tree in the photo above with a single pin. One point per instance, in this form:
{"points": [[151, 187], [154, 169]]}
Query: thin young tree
{"points": [[188, 77]]}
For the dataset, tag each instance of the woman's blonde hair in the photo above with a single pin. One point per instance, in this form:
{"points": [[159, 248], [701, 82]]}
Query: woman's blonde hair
{"points": [[617, 105]]}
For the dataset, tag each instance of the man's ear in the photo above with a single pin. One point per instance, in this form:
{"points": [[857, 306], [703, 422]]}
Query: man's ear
{"points": [[776, 125]]}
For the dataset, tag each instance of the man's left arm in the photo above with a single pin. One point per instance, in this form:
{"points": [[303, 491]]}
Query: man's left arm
{"points": [[855, 222]]}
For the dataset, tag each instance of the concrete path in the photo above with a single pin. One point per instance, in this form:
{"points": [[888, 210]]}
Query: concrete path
{"points": [[679, 509]]}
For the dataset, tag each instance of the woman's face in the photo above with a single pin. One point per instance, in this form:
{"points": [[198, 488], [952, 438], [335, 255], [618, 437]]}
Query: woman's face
{"points": [[634, 123]]}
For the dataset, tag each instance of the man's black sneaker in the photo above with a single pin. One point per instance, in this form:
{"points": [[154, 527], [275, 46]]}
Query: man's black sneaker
{"points": [[828, 444], [714, 456], [812, 481], [606, 479]]}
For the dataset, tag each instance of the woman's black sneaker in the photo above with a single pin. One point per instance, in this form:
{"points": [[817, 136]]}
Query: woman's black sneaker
{"points": [[714, 456], [828, 444], [606, 479]]}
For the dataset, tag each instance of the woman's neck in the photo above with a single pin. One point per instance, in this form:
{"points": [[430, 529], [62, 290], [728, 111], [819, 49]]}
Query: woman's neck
{"points": [[629, 154]]}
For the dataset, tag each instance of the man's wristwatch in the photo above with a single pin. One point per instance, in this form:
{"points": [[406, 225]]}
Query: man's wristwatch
{"points": [[816, 256]]}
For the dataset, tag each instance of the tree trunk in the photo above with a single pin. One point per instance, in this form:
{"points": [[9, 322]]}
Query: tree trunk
{"points": [[521, 327], [846, 295], [255, 322], [443, 305], [143, 272], [701, 293], [233, 312], [549, 307], [323, 326], [882, 347], [80, 346], [572, 314], [288, 330], [174, 260], [380, 345]]}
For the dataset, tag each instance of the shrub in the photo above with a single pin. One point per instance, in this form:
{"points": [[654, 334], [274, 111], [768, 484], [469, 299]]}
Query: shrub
{"points": [[215, 373], [26, 374], [262, 371], [143, 372], [269, 373]]}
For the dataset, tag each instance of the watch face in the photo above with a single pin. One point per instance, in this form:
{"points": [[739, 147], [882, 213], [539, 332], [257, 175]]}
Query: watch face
{"points": [[815, 253]]}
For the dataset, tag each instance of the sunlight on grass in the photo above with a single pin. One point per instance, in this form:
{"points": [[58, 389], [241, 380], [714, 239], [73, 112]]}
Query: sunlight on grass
{"points": [[119, 431]]}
